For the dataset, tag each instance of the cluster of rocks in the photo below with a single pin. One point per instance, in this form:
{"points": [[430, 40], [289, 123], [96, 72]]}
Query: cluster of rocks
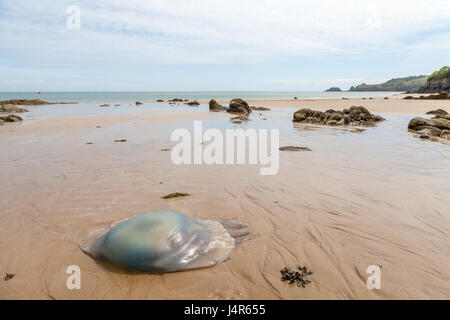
{"points": [[356, 115], [192, 103], [437, 127], [440, 96], [10, 106]]}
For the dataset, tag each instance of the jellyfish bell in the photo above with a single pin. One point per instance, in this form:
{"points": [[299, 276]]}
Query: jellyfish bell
{"points": [[165, 241]]}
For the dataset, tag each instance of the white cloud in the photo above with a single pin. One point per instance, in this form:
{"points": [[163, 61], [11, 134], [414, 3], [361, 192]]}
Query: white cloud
{"points": [[179, 31]]}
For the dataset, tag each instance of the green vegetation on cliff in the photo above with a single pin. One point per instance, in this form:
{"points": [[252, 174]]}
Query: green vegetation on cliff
{"points": [[398, 84], [443, 73]]}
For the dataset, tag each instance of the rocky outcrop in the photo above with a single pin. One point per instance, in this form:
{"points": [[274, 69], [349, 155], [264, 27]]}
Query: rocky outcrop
{"points": [[438, 81], [359, 116], [239, 106], [215, 107], [440, 96], [435, 86], [192, 103], [437, 127], [25, 102], [9, 108], [11, 118], [334, 89], [138, 103]]}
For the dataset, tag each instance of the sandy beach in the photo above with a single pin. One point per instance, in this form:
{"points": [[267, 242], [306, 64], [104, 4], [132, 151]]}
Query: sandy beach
{"points": [[361, 197]]}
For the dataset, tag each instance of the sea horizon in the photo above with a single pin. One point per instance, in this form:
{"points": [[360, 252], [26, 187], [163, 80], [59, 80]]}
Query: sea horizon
{"points": [[150, 96]]}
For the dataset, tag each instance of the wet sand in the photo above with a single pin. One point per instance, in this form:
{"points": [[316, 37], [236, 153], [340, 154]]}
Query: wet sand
{"points": [[360, 197]]}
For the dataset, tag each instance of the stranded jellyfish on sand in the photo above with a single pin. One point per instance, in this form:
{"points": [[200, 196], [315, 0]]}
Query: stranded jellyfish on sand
{"points": [[165, 241]]}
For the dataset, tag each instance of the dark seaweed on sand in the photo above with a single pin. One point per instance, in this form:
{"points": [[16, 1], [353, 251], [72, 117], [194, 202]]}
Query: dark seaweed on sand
{"points": [[176, 195], [299, 277], [9, 276]]}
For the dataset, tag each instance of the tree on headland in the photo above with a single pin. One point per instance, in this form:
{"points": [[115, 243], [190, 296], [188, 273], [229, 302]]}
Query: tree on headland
{"points": [[443, 73]]}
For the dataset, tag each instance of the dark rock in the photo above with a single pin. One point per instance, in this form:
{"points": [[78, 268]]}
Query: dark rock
{"points": [[159, 100], [192, 103], [239, 106], [356, 115], [11, 118], [9, 108], [214, 106], [438, 112], [433, 86], [105, 105], [441, 123], [120, 140], [417, 124], [138, 103]]}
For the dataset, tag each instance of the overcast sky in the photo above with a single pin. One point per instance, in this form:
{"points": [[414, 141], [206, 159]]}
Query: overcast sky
{"points": [[185, 45]]}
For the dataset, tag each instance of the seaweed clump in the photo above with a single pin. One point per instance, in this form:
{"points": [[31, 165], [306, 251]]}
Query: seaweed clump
{"points": [[9, 276], [299, 277], [176, 195]]}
